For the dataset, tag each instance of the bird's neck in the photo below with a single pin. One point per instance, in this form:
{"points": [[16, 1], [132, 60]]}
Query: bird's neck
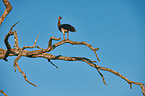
{"points": [[58, 23]]}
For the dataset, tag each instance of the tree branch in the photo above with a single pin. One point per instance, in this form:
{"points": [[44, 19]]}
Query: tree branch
{"points": [[7, 43], [16, 64], [123, 77], [7, 10], [41, 53], [3, 92]]}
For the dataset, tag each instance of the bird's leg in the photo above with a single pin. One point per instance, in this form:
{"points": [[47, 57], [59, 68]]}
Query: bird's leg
{"points": [[68, 36], [64, 35]]}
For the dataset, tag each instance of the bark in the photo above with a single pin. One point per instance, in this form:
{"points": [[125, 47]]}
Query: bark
{"points": [[7, 10]]}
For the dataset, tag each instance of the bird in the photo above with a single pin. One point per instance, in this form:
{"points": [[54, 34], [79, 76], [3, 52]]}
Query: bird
{"points": [[65, 28]]}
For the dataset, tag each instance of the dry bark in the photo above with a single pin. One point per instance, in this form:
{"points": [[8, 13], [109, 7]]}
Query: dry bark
{"points": [[17, 51], [41, 53]]}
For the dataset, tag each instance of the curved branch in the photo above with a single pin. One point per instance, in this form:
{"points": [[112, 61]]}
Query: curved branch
{"points": [[76, 43], [34, 45], [123, 77], [88, 61], [17, 51], [7, 43], [7, 10], [52, 47], [18, 67]]}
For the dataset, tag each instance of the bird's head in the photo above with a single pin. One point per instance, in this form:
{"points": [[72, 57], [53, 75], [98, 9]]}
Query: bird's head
{"points": [[59, 17]]}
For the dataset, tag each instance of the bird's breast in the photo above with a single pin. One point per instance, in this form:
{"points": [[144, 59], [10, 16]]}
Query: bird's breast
{"points": [[64, 30]]}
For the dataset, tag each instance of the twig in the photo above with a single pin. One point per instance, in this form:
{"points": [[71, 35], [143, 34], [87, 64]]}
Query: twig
{"points": [[49, 48], [34, 45], [3, 92], [36, 40], [52, 63], [96, 66], [14, 26]]}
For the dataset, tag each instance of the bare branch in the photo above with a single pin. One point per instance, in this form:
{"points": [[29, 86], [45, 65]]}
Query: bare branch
{"points": [[123, 77], [7, 43], [16, 40], [34, 45], [50, 41], [3, 92], [14, 25], [52, 47], [76, 43], [143, 89], [16, 64], [96, 66], [13, 52], [36, 40], [17, 51], [7, 10], [42, 53], [88, 61]]}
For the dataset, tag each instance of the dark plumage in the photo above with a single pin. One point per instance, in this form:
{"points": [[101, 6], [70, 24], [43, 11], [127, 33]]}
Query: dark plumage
{"points": [[65, 28]]}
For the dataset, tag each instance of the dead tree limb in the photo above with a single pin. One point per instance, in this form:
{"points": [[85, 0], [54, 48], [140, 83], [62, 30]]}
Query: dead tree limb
{"points": [[7, 10], [41, 53]]}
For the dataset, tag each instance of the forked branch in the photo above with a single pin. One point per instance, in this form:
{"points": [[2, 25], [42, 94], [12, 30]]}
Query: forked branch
{"points": [[7, 43], [41, 53]]}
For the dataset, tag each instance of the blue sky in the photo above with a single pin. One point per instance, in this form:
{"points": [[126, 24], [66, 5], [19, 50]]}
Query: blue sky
{"points": [[114, 26]]}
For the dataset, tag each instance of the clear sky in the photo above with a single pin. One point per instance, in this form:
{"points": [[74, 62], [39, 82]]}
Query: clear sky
{"points": [[117, 27]]}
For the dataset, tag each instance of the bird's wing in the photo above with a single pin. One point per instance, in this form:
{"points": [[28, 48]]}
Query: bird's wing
{"points": [[68, 27]]}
